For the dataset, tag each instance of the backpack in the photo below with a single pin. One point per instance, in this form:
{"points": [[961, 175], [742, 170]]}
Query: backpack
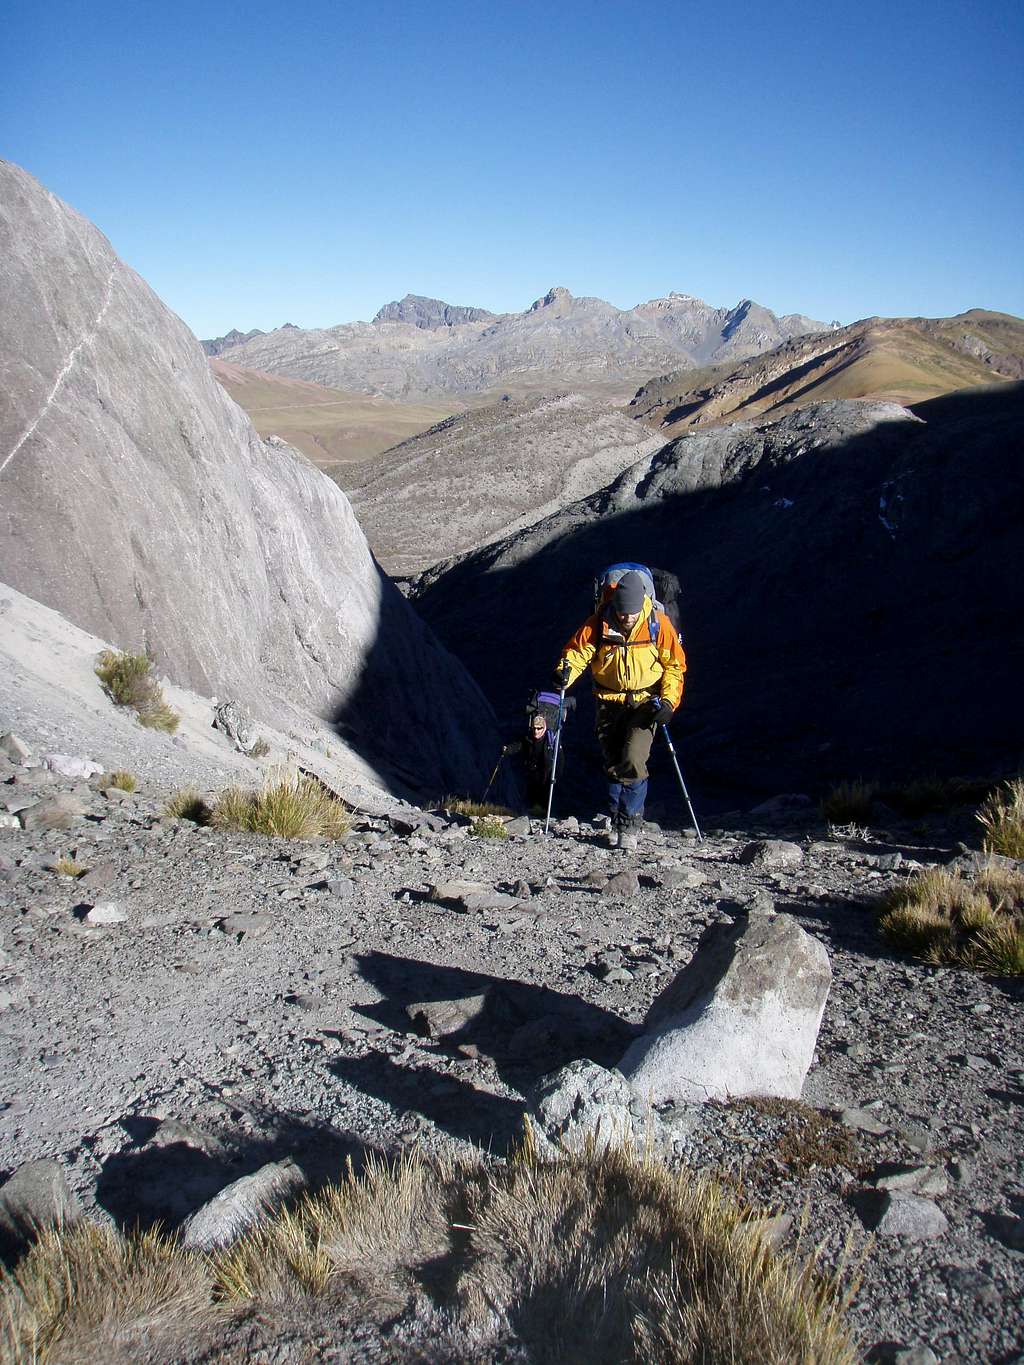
{"points": [[606, 583]]}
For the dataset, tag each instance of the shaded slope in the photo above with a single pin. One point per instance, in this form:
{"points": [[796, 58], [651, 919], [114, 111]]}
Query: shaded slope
{"points": [[485, 473], [903, 360], [851, 591]]}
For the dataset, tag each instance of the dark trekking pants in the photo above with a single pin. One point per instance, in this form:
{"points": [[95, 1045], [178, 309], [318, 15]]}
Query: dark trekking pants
{"points": [[625, 735]]}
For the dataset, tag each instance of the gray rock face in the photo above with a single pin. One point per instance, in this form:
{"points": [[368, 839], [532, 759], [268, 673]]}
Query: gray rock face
{"points": [[741, 1019], [910, 1216], [429, 313], [241, 1204], [235, 563]]}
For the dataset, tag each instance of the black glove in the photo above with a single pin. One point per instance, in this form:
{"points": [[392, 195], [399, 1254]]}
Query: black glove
{"points": [[510, 747], [560, 677], [661, 711]]}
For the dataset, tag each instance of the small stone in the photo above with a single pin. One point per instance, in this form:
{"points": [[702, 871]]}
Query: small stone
{"points": [[519, 828], [241, 1204], [522, 891], [245, 925], [35, 1196], [918, 1179], [771, 853], [53, 812], [774, 1229], [16, 749], [70, 766], [679, 878], [862, 1120], [911, 1217], [1009, 1230], [106, 912], [622, 886], [616, 976], [341, 887]]}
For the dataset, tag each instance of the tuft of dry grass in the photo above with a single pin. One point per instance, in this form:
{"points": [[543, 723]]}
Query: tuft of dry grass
{"points": [[928, 795], [124, 781], [289, 807], [66, 866], [945, 917], [188, 804], [1002, 817], [849, 803], [589, 1259], [462, 805], [86, 1285], [128, 681]]}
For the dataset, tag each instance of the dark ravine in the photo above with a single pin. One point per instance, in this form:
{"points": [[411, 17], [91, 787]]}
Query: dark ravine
{"points": [[851, 602]]}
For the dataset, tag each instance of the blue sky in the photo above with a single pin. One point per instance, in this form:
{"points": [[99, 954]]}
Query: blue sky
{"points": [[260, 163]]}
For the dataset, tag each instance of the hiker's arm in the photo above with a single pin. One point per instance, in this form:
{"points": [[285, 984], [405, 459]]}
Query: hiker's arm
{"points": [[580, 650], [673, 661]]}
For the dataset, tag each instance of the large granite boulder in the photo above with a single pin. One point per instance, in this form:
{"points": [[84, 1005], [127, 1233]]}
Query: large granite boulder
{"points": [[740, 1019], [141, 504]]}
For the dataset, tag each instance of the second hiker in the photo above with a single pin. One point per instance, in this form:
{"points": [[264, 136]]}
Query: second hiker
{"points": [[637, 664]]}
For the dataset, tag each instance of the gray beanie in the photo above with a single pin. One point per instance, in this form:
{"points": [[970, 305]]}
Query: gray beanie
{"points": [[629, 594]]}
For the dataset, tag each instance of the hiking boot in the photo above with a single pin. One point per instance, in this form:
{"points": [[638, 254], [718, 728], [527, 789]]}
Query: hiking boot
{"points": [[610, 839], [629, 835]]}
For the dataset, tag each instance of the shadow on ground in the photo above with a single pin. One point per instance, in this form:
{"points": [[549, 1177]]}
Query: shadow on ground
{"points": [[519, 1032]]}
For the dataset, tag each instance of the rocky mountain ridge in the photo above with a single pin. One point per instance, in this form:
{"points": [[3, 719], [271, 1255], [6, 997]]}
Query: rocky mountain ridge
{"points": [[559, 342], [906, 360]]}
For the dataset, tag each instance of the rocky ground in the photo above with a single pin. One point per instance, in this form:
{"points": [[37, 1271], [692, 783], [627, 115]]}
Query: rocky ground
{"points": [[196, 1004]]}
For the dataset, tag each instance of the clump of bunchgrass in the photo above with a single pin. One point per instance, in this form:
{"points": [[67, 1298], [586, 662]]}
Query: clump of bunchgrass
{"points": [[128, 681], [463, 805], [88, 1287], [188, 804], [605, 1257], [930, 795], [489, 827], [974, 921], [66, 866], [123, 781], [1002, 817], [288, 807], [849, 802]]}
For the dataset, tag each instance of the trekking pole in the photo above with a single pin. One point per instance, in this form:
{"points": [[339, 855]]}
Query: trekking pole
{"points": [[679, 774], [558, 742], [490, 783]]}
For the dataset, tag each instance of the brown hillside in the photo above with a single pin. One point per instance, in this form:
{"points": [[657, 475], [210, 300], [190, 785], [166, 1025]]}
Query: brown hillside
{"points": [[902, 360], [330, 426]]}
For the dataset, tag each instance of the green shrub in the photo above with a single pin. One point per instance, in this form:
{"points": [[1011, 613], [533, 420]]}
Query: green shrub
{"points": [[1002, 817], [289, 808], [128, 681], [975, 921]]}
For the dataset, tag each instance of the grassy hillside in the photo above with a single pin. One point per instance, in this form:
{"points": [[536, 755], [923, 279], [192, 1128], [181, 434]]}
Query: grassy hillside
{"points": [[330, 426], [903, 360]]}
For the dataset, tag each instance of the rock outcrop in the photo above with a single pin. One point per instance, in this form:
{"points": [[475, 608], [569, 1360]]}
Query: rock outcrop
{"points": [[139, 502], [740, 1020]]}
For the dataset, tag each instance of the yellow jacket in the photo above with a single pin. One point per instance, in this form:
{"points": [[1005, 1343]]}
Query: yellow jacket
{"points": [[630, 668]]}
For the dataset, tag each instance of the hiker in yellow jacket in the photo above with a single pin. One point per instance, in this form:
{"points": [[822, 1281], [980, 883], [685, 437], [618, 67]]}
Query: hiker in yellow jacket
{"points": [[637, 666]]}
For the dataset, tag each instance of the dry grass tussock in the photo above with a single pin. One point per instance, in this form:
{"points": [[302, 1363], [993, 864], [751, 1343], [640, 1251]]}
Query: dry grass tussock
{"points": [[945, 917], [125, 781], [595, 1259], [188, 804], [1002, 817], [462, 805], [66, 866], [289, 806], [128, 681], [849, 803]]}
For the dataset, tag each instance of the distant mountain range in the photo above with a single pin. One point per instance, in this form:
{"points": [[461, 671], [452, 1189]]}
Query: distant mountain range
{"points": [[905, 360], [419, 348]]}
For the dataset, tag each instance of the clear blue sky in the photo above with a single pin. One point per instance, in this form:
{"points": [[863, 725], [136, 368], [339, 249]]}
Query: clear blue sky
{"points": [[264, 163]]}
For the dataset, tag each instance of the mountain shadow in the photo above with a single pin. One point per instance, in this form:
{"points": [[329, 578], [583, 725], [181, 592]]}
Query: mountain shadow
{"points": [[851, 593]]}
